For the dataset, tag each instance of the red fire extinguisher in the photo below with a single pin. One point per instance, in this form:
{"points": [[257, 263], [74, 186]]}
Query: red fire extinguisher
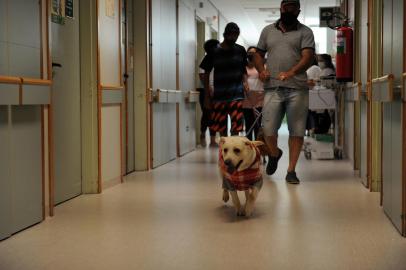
{"points": [[344, 57]]}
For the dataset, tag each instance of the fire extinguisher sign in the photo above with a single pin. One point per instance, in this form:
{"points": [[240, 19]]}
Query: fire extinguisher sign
{"points": [[341, 45]]}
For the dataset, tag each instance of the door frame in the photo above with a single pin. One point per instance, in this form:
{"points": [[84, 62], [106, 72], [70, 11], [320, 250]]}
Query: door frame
{"points": [[404, 124], [369, 103]]}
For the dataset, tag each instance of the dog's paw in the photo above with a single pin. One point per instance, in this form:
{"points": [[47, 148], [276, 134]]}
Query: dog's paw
{"points": [[241, 212], [226, 196], [248, 210]]}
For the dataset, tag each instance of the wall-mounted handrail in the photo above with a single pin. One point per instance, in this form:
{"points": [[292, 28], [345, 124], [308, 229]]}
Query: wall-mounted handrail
{"points": [[31, 81], [385, 79], [10, 80], [161, 95], [110, 87], [357, 88], [22, 80], [192, 96]]}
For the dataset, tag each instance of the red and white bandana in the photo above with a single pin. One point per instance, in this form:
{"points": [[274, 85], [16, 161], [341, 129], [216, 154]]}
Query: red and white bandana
{"points": [[242, 180]]}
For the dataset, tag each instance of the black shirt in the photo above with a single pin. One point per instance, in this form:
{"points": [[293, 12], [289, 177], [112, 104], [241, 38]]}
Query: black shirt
{"points": [[229, 68]]}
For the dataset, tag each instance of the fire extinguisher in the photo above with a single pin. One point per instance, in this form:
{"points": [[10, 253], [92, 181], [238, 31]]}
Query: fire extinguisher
{"points": [[344, 57]]}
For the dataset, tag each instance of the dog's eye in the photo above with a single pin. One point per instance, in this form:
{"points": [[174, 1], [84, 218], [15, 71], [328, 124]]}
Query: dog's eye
{"points": [[225, 150], [237, 151]]}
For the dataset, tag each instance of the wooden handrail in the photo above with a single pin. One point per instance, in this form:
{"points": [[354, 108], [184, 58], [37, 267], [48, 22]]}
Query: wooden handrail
{"points": [[30, 81], [387, 78], [191, 93], [383, 78], [357, 86], [169, 91], [154, 94], [10, 80], [108, 87]]}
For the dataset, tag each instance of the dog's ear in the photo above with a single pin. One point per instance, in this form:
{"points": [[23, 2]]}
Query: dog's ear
{"points": [[222, 140], [256, 143]]}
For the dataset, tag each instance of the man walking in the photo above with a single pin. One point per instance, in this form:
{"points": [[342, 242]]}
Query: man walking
{"points": [[291, 51], [229, 61]]}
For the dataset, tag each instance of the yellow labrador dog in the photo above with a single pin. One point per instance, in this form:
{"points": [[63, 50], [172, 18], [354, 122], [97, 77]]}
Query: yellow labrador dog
{"points": [[240, 166]]}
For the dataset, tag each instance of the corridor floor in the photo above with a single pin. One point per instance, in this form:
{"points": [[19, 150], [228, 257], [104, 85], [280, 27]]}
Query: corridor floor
{"points": [[173, 218]]}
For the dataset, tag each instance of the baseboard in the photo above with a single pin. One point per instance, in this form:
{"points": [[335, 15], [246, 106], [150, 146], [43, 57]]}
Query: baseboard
{"points": [[111, 183]]}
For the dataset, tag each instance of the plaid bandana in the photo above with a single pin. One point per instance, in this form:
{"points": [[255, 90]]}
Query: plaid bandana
{"points": [[242, 180]]}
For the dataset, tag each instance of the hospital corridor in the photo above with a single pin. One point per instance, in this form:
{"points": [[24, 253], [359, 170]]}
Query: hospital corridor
{"points": [[115, 118]]}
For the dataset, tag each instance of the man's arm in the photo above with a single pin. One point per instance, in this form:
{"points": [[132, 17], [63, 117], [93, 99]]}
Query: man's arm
{"points": [[259, 57], [304, 63]]}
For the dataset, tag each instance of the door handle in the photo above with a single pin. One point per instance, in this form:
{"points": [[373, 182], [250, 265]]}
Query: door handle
{"points": [[56, 65]]}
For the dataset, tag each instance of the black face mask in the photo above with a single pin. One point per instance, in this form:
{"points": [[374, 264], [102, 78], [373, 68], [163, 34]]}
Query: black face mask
{"points": [[288, 18]]}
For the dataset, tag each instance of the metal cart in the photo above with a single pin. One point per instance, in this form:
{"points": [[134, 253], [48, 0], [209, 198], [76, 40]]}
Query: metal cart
{"points": [[327, 95]]}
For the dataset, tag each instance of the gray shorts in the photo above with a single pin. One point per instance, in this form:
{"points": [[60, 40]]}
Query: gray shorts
{"points": [[278, 102]]}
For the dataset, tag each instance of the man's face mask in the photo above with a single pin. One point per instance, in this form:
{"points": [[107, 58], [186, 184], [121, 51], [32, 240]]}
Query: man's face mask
{"points": [[288, 18]]}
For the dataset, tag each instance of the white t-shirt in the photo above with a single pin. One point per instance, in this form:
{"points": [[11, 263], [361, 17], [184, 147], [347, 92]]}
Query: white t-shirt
{"points": [[313, 73], [255, 96]]}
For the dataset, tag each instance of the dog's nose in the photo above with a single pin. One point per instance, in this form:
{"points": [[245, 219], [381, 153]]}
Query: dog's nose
{"points": [[228, 162]]}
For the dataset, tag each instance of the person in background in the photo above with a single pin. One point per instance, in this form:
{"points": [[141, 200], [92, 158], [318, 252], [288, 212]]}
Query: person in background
{"points": [[326, 65], [254, 99], [229, 61], [205, 121], [313, 74]]}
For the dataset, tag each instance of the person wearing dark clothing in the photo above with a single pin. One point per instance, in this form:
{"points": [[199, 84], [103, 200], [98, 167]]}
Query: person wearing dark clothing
{"points": [[205, 121], [229, 61]]}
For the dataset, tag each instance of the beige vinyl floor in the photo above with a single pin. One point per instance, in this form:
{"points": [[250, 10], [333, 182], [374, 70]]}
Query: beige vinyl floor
{"points": [[173, 218]]}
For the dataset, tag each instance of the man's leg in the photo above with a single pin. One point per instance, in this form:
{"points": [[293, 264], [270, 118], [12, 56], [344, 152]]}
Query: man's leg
{"points": [[237, 117], [273, 112], [272, 144], [295, 148], [297, 107], [219, 118]]}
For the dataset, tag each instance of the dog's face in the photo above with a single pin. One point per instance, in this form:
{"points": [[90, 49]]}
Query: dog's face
{"points": [[238, 152]]}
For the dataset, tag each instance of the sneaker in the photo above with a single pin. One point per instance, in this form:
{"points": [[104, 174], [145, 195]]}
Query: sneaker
{"points": [[273, 163], [291, 178]]}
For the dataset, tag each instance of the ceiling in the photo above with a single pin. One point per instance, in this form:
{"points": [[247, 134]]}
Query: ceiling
{"points": [[253, 15]]}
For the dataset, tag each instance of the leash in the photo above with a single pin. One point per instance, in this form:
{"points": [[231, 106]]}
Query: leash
{"points": [[257, 113]]}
